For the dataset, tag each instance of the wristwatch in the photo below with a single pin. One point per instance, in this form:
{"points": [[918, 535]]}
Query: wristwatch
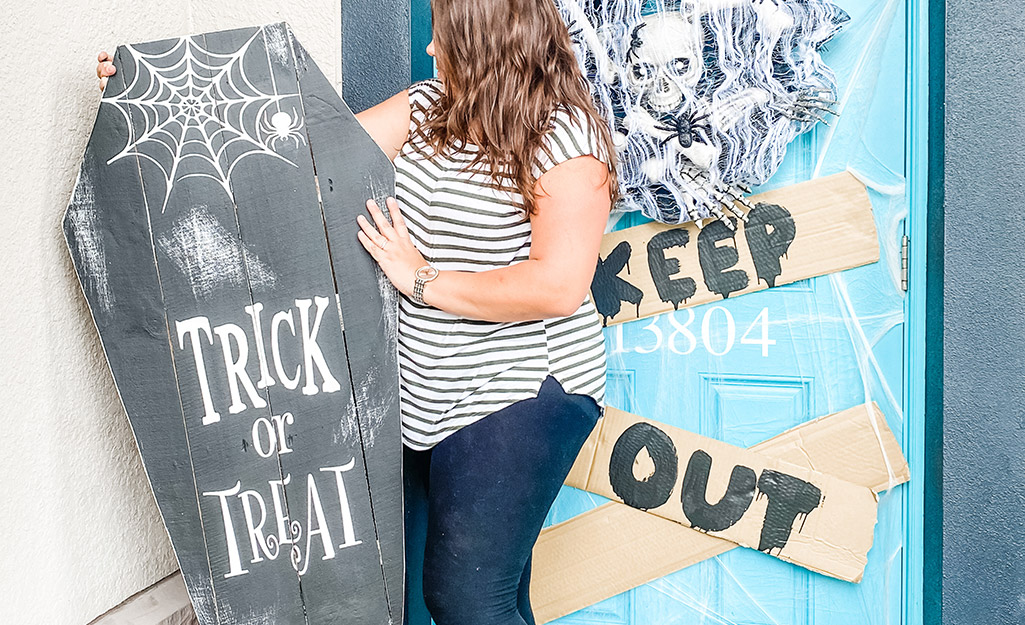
{"points": [[423, 275]]}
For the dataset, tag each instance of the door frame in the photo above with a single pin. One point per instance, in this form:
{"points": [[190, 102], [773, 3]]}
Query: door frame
{"points": [[923, 377]]}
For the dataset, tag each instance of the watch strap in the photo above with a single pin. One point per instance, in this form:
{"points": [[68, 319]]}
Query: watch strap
{"points": [[418, 290]]}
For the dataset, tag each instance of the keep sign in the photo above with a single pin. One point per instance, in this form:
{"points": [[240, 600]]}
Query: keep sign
{"points": [[802, 231]]}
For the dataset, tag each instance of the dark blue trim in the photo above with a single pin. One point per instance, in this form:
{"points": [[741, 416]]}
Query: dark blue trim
{"points": [[932, 578], [422, 65], [375, 51]]}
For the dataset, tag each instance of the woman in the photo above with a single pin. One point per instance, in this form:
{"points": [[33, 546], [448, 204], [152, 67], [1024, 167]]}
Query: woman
{"points": [[504, 183]]}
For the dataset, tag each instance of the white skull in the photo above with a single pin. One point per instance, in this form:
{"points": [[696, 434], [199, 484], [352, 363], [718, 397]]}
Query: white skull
{"points": [[664, 61]]}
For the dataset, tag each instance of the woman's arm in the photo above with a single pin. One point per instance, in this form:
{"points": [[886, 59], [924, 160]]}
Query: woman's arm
{"points": [[572, 210], [388, 123]]}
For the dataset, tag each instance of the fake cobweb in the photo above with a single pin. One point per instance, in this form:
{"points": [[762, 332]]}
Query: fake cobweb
{"points": [[703, 96], [194, 112], [749, 367]]}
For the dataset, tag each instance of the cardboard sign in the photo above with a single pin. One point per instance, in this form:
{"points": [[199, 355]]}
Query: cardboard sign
{"points": [[213, 230], [614, 548], [810, 518], [806, 230]]}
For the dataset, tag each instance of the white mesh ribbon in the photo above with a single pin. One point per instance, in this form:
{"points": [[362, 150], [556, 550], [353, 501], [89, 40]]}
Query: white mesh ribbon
{"points": [[703, 96]]}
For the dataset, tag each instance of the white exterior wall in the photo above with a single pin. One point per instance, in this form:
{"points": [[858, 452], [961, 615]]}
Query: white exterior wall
{"points": [[79, 529]]}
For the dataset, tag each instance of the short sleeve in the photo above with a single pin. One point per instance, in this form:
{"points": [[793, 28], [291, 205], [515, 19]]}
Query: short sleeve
{"points": [[570, 136], [422, 96]]}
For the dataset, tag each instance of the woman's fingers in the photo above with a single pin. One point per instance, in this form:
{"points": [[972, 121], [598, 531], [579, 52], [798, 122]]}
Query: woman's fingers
{"points": [[397, 220], [379, 219], [368, 245], [105, 65], [104, 68], [372, 234]]}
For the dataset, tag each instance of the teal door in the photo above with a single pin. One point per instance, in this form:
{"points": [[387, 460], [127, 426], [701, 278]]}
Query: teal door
{"points": [[745, 369]]}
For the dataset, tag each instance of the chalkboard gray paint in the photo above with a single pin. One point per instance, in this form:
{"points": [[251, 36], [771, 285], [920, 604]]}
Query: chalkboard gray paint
{"points": [[116, 270], [197, 234], [984, 315], [368, 302]]}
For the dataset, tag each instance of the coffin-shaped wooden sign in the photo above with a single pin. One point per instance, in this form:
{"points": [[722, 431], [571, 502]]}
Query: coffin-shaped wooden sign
{"points": [[250, 336]]}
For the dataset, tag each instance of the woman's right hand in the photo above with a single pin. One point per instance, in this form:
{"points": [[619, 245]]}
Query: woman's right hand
{"points": [[105, 68]]}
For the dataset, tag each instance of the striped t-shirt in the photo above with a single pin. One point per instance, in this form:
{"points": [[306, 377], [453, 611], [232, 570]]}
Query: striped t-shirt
{"points": [[453, 370]]}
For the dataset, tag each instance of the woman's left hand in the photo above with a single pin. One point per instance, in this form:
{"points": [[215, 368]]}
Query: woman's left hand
{"points": [[389, 244]]}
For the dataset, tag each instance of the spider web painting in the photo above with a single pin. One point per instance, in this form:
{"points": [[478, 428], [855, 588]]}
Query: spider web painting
{"points": [[194, 112]]}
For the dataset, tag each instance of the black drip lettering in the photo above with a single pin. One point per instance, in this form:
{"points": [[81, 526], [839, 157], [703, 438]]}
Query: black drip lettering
{"points": [[715, 260], [727, 511], [608, 289], [789, 497], [653, 491], [770, 231], [671, 290]]}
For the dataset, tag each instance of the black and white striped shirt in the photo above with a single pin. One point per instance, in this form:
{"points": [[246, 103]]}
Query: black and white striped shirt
{"points": [[454, 371]]}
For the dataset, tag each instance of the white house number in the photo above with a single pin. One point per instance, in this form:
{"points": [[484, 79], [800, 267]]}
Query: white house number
{"points": [[718, 333]]}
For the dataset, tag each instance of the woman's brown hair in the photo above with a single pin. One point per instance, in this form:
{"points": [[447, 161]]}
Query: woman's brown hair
{"points": [[508, 66]]}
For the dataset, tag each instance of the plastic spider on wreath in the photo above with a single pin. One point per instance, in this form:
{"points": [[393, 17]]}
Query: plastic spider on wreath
{"points": [[668, 127], [283, 127], [684, 128]]}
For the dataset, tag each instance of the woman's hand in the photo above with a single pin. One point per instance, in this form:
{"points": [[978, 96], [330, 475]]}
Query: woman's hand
{"points": [[105, 68], [389, 244]]}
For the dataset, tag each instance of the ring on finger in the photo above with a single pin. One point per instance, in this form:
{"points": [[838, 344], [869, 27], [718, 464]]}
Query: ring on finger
{"points": [[383, 247]]}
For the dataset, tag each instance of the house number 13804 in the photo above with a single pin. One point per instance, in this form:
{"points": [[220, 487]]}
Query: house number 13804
{"points": [[718, 333]]}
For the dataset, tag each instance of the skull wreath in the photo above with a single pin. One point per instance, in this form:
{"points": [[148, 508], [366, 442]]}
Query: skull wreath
{"points": [[703, 96]]}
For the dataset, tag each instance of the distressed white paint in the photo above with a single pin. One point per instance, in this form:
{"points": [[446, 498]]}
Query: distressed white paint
{"points": [[277, 46], [389, 303], [389, 295], [346, 430], [81, 530], [210, 256], [89, 241], [376, 417]]}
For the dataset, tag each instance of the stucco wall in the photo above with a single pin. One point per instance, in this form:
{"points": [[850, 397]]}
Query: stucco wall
{"points": [[984, 315], [79, 530]]}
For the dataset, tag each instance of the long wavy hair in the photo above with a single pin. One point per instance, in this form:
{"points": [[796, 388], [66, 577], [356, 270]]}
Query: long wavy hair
{"points": [[508, 66]]}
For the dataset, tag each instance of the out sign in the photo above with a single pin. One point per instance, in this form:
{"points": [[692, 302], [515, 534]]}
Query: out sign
{"points": [[818, 521], [788, 497]]}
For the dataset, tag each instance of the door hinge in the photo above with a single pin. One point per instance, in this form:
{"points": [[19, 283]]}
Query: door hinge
{"points": [[904, 244]]}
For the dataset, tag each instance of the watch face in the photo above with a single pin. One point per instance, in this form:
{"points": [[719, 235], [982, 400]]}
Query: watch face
{"points": [[427, 273]]}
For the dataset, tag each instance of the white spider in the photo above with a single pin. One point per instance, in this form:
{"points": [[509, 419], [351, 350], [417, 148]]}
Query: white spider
{"points": [[283, 127]]}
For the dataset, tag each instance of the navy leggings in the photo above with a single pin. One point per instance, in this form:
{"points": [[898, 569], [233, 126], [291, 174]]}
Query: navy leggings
{"points": [[475, 504]]}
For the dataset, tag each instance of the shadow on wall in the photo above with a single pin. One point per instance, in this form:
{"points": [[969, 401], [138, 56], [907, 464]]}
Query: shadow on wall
{"points": [[164, 603]]}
